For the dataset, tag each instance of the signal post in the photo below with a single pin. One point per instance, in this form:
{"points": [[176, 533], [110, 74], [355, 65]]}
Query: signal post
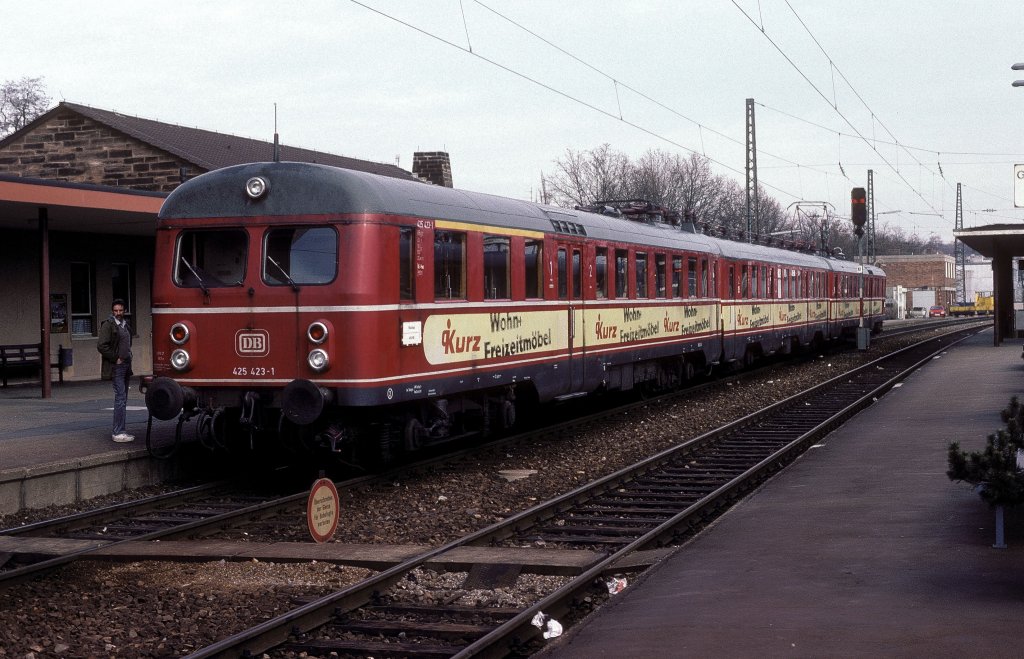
{"points": [[859, 216]]}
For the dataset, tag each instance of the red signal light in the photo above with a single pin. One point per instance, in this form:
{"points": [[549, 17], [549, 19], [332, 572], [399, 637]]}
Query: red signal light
{"points": [[858, 207]]}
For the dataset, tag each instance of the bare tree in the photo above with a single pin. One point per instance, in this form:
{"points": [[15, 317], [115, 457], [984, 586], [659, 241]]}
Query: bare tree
{"points": [[584, 177], [21, 101], [701, 192], [651, 179]]}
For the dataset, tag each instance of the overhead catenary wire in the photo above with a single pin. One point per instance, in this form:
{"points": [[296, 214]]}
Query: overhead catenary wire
{"points": [[825, 169], [815, 87], [568, 96]]}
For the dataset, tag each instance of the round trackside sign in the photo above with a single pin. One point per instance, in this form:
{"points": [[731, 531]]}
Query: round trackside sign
{"points": [[323, 510]]}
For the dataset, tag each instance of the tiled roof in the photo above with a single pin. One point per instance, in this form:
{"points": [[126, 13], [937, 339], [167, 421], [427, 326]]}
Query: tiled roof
{"points": [[211, 150]]}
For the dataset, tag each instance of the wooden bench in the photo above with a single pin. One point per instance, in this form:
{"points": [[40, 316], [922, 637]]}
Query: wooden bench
{"points": [[26, 355]]}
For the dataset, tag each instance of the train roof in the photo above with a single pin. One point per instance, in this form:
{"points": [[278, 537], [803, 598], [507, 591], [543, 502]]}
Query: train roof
{"points": [[310, 189]]}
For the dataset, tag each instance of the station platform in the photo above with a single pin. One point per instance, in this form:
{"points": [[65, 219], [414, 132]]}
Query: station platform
{"points": [[862, 547], [59, 450]]}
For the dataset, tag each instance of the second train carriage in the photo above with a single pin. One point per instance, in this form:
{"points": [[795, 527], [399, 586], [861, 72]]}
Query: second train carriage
{"points": [[362, 312]]}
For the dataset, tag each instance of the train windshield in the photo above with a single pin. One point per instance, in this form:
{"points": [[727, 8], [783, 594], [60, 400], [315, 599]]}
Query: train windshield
{"points": [[300, 255], [211, 258]]}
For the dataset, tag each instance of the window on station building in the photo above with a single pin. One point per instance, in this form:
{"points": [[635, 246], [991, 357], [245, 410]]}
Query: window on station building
{"points": [[211, 258], [534, 271], [83, 299], [406, 264], [641, 275], [449, 265], [601, 273], [497, 250], [621, 271]]}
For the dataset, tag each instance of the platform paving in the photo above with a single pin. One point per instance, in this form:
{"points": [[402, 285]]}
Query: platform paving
{"points": [[863, 547], [59, 450]]}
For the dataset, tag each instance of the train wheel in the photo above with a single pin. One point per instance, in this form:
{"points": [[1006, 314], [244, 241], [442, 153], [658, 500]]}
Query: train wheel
{"points": [[414, 434], [508, 414], [688, 371]]}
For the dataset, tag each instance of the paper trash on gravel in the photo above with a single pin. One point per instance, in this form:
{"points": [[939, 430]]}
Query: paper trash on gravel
{"points": [[551, 627]]}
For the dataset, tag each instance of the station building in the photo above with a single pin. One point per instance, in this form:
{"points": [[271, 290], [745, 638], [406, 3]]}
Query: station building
{"points": [[80, 189]]}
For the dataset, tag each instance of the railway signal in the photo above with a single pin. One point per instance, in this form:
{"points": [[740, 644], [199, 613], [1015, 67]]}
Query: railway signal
{"points": [[858, 210]]}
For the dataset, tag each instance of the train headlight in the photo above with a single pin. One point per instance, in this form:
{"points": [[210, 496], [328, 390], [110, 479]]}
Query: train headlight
{"points": [[318, 360], [317, 332], [180, 360], [256, 187], [179, 334]]}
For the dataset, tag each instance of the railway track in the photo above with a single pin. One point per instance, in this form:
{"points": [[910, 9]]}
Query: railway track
{"points": [[658, 502], [31, 549]]}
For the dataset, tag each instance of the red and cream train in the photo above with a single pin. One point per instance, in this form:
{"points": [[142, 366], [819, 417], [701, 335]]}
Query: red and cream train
{"points": [[369, 315]]}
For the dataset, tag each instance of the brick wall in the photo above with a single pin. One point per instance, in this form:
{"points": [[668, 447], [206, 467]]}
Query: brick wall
{"points": [[920, 273], [433, 166], [73, 148]]}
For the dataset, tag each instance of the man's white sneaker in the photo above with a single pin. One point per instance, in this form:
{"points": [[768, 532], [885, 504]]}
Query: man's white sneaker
{"points": [[123, 437]]}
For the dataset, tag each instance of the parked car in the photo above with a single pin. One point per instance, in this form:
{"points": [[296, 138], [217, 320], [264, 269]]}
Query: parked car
{"points": [[917, 312], [937, 311]]}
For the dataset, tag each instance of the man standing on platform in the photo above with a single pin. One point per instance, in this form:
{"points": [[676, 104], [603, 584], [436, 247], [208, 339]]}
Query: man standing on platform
{"points": [[115, 345]]}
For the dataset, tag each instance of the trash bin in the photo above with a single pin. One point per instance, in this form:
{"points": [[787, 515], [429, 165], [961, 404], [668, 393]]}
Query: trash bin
{"points": [[65, 357]]}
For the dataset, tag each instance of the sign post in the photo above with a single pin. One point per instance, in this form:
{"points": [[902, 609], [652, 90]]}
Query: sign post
{"points": [[323, 510], [1018, 186]]}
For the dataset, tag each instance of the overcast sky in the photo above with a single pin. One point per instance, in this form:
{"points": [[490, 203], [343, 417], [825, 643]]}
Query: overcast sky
{"points": [[469, 78]]}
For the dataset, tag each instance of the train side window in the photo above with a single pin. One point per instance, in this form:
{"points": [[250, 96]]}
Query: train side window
{"points": [[449, 265], [300, 255], [732, 282], [406, 271], [601, 272], [641, 275], [660, 279], [211, 258], [744, 282], [765, 290], [677, 276], [532, 250], [621, 268], [704, 274], [563, 274], [691, 276], [497, 250], [577, 275]]}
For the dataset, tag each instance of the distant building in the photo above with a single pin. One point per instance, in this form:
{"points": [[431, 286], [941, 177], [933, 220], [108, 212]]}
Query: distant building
{"points": [[921, 272], [87, 183]]}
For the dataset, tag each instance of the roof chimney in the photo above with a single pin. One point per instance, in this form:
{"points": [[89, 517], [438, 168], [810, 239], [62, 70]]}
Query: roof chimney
{"points": [[433, 166]]}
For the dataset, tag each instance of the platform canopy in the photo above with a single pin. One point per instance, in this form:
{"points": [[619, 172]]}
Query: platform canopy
{"points": [[78, 207], [1005, 239]]}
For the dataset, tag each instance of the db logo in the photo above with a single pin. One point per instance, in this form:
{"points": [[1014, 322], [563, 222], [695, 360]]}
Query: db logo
{"points": [[252, 343]]}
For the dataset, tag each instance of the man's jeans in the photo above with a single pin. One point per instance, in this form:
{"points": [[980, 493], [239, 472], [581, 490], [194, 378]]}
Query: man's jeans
{"points": [[120, 396]]}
